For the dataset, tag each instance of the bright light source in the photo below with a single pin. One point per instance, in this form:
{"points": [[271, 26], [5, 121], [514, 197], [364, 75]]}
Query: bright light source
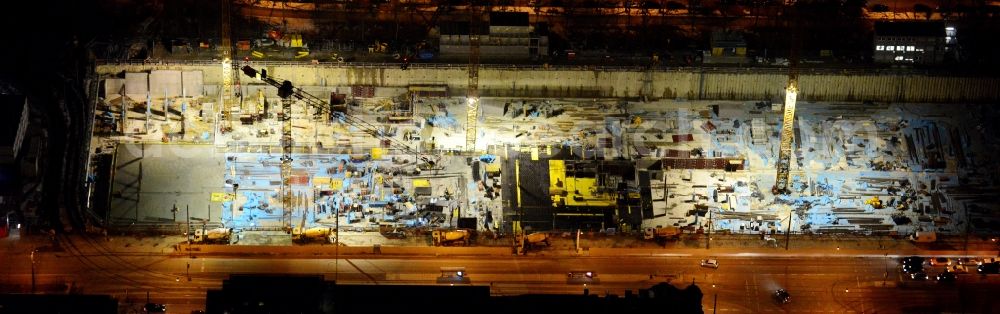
{"points": [[472, 100], [460, 274], [950, 29], [590, 274]]}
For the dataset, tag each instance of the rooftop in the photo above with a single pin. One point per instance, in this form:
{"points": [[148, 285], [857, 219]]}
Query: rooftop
{"points": [[916, 29]]}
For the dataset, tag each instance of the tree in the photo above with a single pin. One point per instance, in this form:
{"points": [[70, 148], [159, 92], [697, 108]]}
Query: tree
{"points": [[923, 8], [674, 6], [880, 8]]}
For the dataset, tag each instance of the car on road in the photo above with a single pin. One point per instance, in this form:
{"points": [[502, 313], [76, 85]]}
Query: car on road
{"points": [[940, 261], [918, 276], [946, 277], [991, 268], [988, 260], [710, 263], [968, 261], [912, 260], [781, 296]]}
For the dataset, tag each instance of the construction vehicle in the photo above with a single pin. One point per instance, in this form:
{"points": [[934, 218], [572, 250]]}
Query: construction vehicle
{"points": [[534, 239], [662, 233], [924, 237], [874, 202], [451, 237], [217, 235], [314, 234]]}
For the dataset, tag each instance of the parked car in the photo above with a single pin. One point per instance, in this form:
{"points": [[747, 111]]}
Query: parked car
{"points": [[912, 260], [991, 268], [940, 261], [909, 269], [946, 277], [988, 260], [710, 263], [968, 261], [918, 276], [957, 269], [154, 308]]}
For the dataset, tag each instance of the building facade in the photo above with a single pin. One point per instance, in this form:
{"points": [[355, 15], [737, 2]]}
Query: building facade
{"points": [[508, 36], [923, 43], [15, 112]]}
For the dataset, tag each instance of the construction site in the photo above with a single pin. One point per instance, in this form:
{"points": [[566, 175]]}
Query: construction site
{"points": [[240, 150], [390, 165]]}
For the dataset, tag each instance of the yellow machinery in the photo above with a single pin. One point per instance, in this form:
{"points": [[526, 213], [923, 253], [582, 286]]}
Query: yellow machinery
{"points": [[662, 233], [874, 202], [314, 234], [534, 239], [472, 93], [450, 237], [217, 235], [787, 137], [229, 77]]}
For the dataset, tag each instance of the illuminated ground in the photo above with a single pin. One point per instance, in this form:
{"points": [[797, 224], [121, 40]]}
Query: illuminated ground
{"points": [[846, 154]]}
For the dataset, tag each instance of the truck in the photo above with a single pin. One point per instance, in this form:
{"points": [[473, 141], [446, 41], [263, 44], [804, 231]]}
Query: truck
{"points": [[535, 239], [662, 233], [314, 234], [216, 235], [924, 237], [450, 237]]}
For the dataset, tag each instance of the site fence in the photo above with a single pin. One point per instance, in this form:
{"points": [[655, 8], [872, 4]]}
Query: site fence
{"points": [[551, 67]]}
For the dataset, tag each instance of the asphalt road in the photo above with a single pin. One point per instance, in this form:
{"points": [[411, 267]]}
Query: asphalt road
{"points": [[743, 283]]}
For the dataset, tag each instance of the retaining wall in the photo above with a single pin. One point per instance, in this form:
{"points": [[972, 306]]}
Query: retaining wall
{"points": [[581, 82]]}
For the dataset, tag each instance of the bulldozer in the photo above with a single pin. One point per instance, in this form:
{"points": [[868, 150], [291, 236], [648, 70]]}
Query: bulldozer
{"points": [[314, 234], [451, 237], [217, 235]]}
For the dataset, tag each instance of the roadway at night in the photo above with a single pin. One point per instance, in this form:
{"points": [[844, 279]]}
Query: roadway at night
{"points": [[743, 283]]}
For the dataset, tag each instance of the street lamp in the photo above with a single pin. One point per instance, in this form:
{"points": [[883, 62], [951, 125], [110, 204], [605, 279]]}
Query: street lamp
{"points": [[33, 270]]}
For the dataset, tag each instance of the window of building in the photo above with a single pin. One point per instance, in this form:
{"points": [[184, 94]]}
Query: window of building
{"points": [[890, 48], [900, 48], [910, 48], [880, 47], [899, 58]]}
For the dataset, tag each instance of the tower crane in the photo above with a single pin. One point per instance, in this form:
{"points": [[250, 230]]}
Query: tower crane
{"points": [[229, 77], [472, 93], [323, 108], [784, 162]]}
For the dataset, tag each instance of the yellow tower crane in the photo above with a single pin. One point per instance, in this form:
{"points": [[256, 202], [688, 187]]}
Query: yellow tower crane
{"points": [[784, 162], [472, 93], [229, 76]]}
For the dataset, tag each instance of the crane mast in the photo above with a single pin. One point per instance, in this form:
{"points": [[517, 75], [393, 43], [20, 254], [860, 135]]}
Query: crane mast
{"points": [[784, 163], [229, 77], [472, 93], [323, 108]]}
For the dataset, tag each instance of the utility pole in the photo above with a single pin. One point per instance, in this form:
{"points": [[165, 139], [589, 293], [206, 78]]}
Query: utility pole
{"points": [[708, 242], [788, 232], [187, 209], [715, 302], [33, 270]]}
